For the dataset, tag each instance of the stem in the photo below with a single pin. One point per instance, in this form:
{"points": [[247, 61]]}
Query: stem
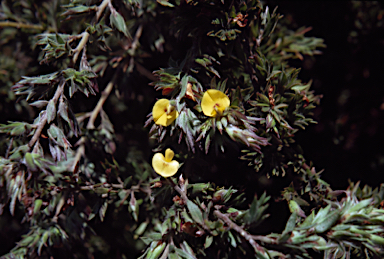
{"points": [[250, 238], [85, 34], [145, 72], [240, 230], [44, 118], [101, 8], [9, 148], [82, 43], [99, 105], [79, 153], [21, 25], [264, 239], [185, 199]]}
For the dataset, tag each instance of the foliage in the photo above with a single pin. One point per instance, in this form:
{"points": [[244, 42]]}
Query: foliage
{"points": [[76, 160]]}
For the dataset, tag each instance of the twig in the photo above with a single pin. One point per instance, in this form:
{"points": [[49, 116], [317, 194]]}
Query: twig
{"points": [[85, 34], [105, 185], [79, 153], [80, 46], [265, 239], [9, 148], [240, 230], [99, 105], [83, 116], [108, 89], [36, 146], [185, 200], [138, 33], [145, 72], [21, 25], [44, 117], [101, 8]]}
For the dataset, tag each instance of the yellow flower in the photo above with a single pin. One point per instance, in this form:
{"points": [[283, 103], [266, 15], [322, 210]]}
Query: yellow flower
{"points": [[164, 113], [214, 103], [165, 166]]}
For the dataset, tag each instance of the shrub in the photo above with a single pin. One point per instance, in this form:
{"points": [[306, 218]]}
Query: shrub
{"points": [[221, 175]]}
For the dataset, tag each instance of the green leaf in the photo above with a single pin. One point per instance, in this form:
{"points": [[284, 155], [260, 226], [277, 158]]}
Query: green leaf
{"points": [[290, 226], [232, 239], [51, 111], [165, 3], [362, 204], [30, 163], [119, 23], [156, 252], [184, 254], [195, 211], [208, 241], [327, 221], [79, 9]]}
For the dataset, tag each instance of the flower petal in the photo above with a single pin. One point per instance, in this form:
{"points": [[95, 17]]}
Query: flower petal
{"points": [[169, 155], [160, 115], [207, 105], [171, 117], [214, 98], [159, 109], [163, 168], [162, 120]]}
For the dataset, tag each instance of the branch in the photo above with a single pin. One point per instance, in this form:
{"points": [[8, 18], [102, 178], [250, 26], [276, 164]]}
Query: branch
{"points": [[44, 118], [99, 105], [101, 8], [185, 200], [79, 153], [108, 89], [240, 230], [85, 34], [20, 25], [80, 46], [250, 238]]}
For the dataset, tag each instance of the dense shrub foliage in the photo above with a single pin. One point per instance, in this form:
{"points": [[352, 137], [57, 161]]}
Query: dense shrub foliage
{"points": [[166, 130]]}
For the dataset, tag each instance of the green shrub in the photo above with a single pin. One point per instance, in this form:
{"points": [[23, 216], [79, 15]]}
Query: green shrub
{"points": [[78, 169]]}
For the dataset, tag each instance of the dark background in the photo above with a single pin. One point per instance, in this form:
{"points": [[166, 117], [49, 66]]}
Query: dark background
{"points": [[348, 140]]}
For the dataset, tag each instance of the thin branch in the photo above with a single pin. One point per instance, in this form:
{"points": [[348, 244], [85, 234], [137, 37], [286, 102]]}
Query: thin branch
{"points": [[20, 25], [85, 34], [83, 116], [99, 105], [80, 46], [145, 72], [79, 153], [230, 223], [135, 41], [185, 199], [44, 117], [100, 9], [9, 148], [240, 230], [104, 185], [265, 239]]}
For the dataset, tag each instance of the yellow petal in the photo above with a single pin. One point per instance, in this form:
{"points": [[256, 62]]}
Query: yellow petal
{"points": [[169, 155], [162, 120], [214, 99], [171, 117], [159, 109], [163, 168], [160, 115]]}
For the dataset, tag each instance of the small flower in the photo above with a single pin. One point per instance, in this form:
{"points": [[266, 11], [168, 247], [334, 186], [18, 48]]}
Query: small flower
{"points": [[214, 103], [165, 166], [164, 113]]}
